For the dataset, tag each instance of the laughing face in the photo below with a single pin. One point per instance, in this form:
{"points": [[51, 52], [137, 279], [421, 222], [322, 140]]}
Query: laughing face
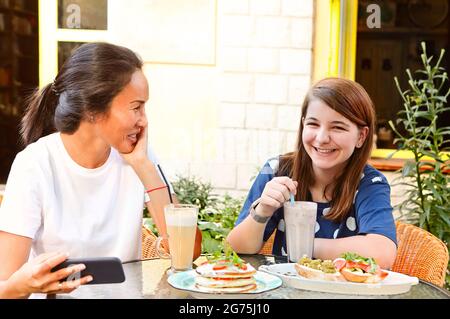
{"points": [[329, 138], [126, 119]]}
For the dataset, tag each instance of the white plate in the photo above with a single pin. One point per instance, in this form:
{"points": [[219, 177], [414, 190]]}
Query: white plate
{"points": [[394, 283], [186, 281]]}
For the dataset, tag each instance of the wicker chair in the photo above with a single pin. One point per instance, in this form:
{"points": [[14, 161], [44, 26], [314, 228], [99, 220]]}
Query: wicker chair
{"points": [[267, 247], [148, 244], [420, 254]]}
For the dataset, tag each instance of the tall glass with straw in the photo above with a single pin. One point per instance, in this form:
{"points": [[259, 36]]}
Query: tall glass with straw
{"points": [[300, 220]]}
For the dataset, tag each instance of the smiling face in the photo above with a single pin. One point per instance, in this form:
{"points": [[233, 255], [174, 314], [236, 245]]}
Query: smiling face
{"points": [[125, 120], [329, 138]]}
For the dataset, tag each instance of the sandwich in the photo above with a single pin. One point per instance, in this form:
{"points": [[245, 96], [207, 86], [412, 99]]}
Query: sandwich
{"points": [[317, 269], [226, 274], [356, 268]]}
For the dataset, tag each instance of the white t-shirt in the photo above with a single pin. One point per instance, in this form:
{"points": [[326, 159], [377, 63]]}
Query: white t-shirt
{"points": [[64, 207]]}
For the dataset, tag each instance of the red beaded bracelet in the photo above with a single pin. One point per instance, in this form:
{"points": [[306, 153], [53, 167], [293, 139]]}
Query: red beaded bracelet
{"points": [[154, 189]]}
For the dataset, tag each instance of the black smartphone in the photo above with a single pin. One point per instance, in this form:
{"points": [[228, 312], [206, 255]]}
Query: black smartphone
{"points": [[104, 270]]}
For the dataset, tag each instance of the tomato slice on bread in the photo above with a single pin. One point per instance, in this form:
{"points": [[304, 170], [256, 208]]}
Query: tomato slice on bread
{"points": [[339, 263], [356, 268], [219, 267]]}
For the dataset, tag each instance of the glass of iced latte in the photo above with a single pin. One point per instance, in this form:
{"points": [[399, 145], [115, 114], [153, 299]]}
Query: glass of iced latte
{"points": [[181, 223]]}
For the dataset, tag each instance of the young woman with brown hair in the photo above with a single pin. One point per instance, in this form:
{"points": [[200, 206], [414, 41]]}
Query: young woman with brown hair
{"points": [[330, 168]]}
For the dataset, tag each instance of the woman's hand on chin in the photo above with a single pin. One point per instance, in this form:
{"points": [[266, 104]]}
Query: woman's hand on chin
{"points": [[138, 155]]}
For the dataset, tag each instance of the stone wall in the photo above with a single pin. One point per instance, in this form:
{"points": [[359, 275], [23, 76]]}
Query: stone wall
{"points": [[264, 59]]}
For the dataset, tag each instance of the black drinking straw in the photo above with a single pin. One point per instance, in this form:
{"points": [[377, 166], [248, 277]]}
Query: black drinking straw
{"points": [[165, 181]]}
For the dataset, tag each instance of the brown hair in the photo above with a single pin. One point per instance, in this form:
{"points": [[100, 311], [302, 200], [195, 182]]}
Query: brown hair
{"points": [[86, 84], [352, 101]]}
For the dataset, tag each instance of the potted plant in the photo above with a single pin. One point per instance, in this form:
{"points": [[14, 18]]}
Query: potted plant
{"points": [[426, 178]]}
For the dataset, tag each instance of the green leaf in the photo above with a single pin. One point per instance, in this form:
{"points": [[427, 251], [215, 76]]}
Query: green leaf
{"points": [[210, 245], [443, 214], [408, 168], [208, 225], [430, 185]]}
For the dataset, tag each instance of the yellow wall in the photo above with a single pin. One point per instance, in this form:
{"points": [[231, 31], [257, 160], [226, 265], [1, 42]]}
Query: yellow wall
{"points": [[335, 28], [322, 53]]}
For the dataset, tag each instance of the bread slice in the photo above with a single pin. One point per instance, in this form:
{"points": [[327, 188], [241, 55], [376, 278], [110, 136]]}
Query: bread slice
{"points": [[360, 277], [241, 289], [311, 273], [218, 283]]}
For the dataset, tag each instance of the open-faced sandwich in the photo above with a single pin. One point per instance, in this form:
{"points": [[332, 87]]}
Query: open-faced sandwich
{"points": [[356, 268], [225, 274], [349, 267], [318, 269]]}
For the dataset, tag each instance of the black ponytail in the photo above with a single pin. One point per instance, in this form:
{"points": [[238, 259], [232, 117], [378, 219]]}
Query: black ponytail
{"points": [[39, 116], [85, 86]]}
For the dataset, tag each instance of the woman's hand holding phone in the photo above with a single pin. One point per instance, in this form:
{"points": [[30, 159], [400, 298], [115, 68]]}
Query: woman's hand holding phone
{"points": [[36, 276]]}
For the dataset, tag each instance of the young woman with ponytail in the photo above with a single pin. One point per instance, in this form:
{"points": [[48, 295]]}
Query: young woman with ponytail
{"points": [[78, 187]]}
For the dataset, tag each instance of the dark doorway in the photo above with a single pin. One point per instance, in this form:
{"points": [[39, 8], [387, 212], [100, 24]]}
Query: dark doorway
{"points": [[19, 72], [385, 52]]}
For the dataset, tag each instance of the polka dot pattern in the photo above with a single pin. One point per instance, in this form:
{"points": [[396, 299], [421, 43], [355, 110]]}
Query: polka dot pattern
{"points": [[351, 223], [274, 164], [335, 233], [281, 225], [360, 216], [377, 179]]}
